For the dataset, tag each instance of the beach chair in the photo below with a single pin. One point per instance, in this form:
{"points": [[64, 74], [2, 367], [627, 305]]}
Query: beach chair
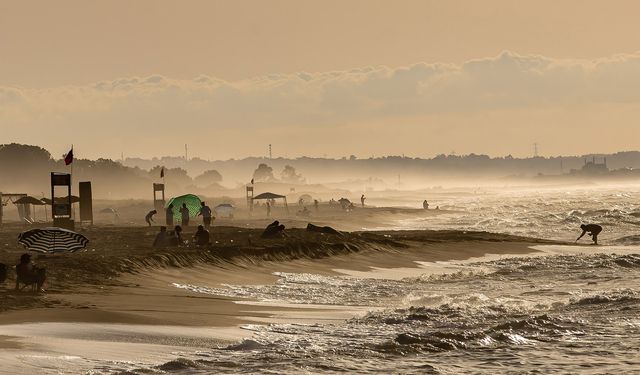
{"points": [[29, 278]]}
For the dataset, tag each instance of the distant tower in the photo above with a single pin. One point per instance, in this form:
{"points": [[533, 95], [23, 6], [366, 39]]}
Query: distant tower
{"points": [[270, 157], [186, 152], [535, 150]]}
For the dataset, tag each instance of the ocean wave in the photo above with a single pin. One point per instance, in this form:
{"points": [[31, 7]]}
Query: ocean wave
{"points": [[611, 297]]}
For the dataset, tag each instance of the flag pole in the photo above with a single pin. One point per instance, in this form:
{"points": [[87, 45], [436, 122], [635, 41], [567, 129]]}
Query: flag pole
{"points": [[73, 209]]}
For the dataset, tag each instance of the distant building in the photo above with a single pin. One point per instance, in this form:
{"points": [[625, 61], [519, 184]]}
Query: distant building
{"points": [[592, 167]]}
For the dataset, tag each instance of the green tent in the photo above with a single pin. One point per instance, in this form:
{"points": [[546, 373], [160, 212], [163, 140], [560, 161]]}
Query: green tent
{"points": [[192, 201]]}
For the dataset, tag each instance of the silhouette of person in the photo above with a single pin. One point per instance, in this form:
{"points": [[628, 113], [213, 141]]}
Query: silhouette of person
{"points": [[28, 272], [202, 236], [205, 211], [425, 205], [162, 238], [316, 205], [149, 217], [268, 209], [593, 230], [184, 214], [362, 199], [176, 239], [169, 215]]}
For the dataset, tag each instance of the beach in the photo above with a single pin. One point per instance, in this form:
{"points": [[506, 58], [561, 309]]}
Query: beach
{"points": [[120, 306], [119, 284]]}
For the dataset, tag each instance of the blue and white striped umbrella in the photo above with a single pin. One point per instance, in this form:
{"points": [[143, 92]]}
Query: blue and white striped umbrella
{"points": [[52, 240]]}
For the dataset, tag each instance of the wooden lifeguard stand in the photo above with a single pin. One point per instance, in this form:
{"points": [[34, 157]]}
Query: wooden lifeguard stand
{"points": [[158, 197], [61, 208], [250, 197]]}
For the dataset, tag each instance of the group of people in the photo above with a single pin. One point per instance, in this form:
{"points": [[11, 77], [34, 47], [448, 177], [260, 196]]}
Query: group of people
{"points": [[205, 212], [166, 238]]}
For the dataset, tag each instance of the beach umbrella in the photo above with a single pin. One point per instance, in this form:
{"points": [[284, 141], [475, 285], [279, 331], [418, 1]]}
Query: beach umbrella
{"points": [[74, 199], [29, 200], [224, 209], [52, 240], [192, 202]]}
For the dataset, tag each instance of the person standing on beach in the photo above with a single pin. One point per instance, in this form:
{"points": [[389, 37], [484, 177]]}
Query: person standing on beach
{"points": [[593, 230], [149, 217], [316, 205], [169, 215], [268, 209], [205, 211], [184, 212], [362, 199]]}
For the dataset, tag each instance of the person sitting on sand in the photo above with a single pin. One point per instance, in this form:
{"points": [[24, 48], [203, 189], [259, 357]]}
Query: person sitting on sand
{"points": [[169, 215], [274, 229], [425, 205], [149, 217], [175, 236], [201, 237], [162, 238], [27, 273], [593, 230], [184, 214]]}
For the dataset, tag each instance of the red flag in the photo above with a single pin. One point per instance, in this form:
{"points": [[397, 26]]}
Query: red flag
{"points": [[162, 172], [68, 158]]}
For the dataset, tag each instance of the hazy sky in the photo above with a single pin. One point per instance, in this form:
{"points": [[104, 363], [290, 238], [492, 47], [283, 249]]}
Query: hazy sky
{"points": [[323, 77]]}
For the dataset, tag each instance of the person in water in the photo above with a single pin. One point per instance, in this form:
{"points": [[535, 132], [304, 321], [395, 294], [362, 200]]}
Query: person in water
{"points": [[593, 230]]}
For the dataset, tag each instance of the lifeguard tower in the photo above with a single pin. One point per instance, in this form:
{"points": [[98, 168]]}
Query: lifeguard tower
{"points": [[158, 197], [250, 197], [61, 206]]}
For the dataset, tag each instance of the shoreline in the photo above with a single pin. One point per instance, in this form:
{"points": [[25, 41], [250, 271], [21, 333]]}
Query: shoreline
{"points": [[238, 256], [137, 315]]}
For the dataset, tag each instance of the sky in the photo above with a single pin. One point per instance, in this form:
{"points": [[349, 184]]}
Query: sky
{"points": [[320, 78]]}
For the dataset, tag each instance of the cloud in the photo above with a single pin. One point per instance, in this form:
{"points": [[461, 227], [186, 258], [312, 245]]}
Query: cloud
{"points": [[310, 100]]}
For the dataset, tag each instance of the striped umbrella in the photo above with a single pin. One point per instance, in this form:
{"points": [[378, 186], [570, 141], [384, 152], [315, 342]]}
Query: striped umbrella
{"points": [[52, 240]]}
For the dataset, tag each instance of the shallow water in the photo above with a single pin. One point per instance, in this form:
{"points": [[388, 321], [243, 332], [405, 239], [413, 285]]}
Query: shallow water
{"points": [[540, 314], [542, 213]]}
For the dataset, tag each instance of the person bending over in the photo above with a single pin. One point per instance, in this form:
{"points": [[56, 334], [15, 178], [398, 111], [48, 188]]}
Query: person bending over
{"points": [[592, 229]]}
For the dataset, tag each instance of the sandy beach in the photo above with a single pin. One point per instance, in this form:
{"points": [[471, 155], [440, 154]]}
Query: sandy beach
{"points": [[119, 294]]}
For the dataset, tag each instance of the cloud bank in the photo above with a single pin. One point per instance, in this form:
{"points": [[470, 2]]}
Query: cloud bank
{"points": [[426, 100]]}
